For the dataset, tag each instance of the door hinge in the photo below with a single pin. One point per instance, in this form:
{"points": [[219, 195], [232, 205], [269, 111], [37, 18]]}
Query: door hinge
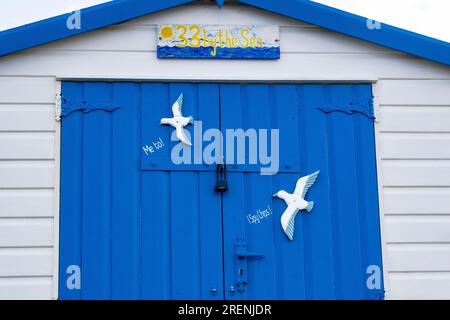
{"points": [[58, 107], [64, 107], [364, 107], [376, 109]]}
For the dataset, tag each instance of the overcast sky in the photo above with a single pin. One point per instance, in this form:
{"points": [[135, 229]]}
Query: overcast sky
{"points": [[429, 17]]}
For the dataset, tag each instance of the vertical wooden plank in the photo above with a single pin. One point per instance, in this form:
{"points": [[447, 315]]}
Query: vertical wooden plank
{"points": [[262, 273], [96, 242], [233, 228], [211, 267], [318, 224], [369, 219], [155, 195], [233, 204], [71, 192], [345, 201], [155, 236], [184, 209], [184, 205], [155, 105], [126, 149], [289, 254], [259, 237]]}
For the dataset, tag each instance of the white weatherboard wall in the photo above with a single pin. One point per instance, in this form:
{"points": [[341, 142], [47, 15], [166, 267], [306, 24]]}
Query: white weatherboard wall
{"points": [[413, 135]]}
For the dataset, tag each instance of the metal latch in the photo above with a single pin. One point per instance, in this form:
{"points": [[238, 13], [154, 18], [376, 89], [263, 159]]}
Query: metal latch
{"points": [[241, 258]]}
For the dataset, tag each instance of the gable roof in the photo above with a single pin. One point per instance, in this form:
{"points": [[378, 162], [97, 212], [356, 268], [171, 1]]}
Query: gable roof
{"points": [[48, 30]]}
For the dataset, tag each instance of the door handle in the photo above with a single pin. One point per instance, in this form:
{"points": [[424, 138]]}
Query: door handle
{"points": [[240, 249], [242, 254]]}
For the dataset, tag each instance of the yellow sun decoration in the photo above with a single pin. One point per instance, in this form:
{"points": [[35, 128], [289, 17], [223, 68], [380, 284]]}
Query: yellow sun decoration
{"points": [[166, 32]]}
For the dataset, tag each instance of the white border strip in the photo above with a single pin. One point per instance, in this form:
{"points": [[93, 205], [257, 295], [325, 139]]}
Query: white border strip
{"points": [[377, 112], [56, 201]]}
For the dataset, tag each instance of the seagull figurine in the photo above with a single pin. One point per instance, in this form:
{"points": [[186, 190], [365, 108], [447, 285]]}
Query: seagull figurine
{"points": [[178, 121], [296, 202]]}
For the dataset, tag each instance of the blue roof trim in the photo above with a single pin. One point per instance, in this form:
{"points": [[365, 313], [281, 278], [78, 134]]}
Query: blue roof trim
{"points": [[358, 27], [92, 18], [117, 11]]}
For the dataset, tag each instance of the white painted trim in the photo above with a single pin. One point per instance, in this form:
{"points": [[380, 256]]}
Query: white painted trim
{"points": [[56, 201], [376, 106], [221, 80]]}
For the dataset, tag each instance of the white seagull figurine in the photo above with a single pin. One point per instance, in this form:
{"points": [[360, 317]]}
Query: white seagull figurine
{"points": [[178, 121], [296, 202]]}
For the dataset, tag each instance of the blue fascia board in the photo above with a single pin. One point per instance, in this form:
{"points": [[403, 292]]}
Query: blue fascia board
{"points": [[92, 18], [357, 27]]}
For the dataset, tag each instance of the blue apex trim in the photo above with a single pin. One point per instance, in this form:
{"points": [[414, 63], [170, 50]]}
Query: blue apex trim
{"points": [[118, 11], [92, 18], [358, 27]]}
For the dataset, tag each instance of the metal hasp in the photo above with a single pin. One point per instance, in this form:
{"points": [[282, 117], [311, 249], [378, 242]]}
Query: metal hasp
{"points": [[241, 257], [221, 178]]}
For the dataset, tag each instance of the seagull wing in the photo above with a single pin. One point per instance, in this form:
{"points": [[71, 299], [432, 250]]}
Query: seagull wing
{"points": [[178, 106], [288, 221], [181, 135], [304, 183]]}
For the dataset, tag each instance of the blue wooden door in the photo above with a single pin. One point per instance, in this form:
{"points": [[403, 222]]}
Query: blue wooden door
{"points": [[135, 225], [132, 225], [327, 128]]}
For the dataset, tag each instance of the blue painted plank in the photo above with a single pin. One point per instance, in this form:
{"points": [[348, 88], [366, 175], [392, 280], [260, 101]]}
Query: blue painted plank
{"points": [[96, 238], [260, 237], [257, 194], [233, 200], [290, 260], [155, 105], [368, 199], [184, 211], [247, 106], [156, 236], [210, 210], [185, 239], [233, 228], [71, 193], [173, 210], [318, 225], [125, 155], [345, 200], [210, 229], [155, 195]]}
